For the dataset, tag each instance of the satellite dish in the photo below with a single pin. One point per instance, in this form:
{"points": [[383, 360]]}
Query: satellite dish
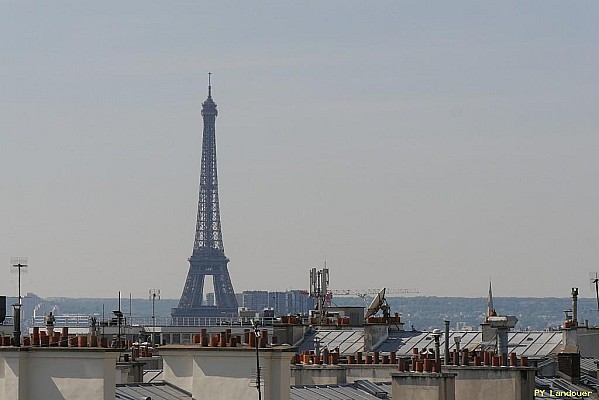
{"points": [[376, 304]]}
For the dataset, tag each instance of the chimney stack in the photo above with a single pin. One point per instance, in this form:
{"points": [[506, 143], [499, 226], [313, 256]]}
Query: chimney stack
{"points": [[16, 324], [2, 308]]}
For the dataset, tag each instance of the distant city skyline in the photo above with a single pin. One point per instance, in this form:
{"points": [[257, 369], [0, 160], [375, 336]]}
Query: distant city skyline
{"points": [[425, 145]]}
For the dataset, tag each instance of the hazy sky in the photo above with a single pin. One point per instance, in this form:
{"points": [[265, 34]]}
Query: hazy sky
{"points": [[426, 145]]}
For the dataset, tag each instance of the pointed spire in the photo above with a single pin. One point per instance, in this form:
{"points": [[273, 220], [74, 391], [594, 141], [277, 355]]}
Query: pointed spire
{"points": [[209, 106], [490, 308]]}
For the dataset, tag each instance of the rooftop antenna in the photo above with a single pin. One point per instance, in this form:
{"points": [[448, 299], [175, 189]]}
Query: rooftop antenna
{"points": [[18, 264], [594, 282], [209, 85], [319, 282]]}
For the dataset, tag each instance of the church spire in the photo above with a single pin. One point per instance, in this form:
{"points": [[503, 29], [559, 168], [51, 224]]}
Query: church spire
{"points": [[490, 308]]}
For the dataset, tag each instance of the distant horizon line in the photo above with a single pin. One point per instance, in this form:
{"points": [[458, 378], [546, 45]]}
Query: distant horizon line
{"points": [[356, 297]]}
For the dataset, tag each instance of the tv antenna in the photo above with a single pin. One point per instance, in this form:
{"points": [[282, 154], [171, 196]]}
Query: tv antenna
{"points": [[594, 283], [18, 264]]}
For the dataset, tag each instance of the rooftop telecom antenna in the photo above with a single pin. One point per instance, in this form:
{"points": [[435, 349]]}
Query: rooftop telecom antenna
{"points": [[319, 283]]}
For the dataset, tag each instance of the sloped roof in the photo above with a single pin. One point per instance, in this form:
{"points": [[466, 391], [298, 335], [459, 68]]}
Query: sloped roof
{"points": [[530, 344], [534, 344], [359, 390], [156, 391], [348, 340], [559, 384], [588, 364]]}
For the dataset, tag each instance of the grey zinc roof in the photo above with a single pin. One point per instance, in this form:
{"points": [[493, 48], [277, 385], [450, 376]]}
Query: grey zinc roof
{"points": [[588, 364], [156, 391], [530, 344], [555, 384], [348, 341], [535, 344], [361, 390]]}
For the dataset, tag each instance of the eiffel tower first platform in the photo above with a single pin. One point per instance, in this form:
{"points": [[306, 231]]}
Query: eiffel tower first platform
{"points": [[208, 257]]}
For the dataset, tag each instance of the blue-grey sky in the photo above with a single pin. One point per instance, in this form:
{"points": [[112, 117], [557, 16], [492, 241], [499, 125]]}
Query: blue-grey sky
{"points": [[428, 145]]}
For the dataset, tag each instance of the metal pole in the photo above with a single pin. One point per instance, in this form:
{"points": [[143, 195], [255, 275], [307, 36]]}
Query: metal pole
{"points": [[257, 335], [258, 370], [437, 353], [130, 316], [154, 295], [119, 319], [597, 293], [446, 347], [153, 320]]}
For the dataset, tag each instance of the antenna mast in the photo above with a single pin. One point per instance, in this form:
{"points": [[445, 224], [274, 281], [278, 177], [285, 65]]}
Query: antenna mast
{"points": [[594, 281], [19, 263], [319, 285]]}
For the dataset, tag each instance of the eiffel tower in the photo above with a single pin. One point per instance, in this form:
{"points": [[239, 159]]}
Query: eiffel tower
{"points": [[208, 256]]}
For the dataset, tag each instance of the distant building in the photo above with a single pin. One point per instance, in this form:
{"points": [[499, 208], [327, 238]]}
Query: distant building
{"points": [[255, 299], [278, 301], [210, 299], [239, 298], [299, 302], [283, 303]]}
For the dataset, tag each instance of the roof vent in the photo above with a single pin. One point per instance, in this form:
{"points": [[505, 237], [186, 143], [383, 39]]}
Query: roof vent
{"points": [[372, 388]]}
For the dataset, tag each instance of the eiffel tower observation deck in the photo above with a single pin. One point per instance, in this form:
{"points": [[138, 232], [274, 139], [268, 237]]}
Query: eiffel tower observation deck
{"points": [[208, 256]]}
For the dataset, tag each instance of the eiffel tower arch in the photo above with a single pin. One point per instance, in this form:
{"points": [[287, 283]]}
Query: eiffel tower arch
{"points": [[208, 256]]}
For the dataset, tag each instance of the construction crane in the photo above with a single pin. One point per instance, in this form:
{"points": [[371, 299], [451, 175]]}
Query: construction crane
{"points": [[369, 292], [363, 293]]}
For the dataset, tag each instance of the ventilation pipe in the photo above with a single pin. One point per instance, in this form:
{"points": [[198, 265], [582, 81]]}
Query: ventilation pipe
{"points": [[437, 336]]}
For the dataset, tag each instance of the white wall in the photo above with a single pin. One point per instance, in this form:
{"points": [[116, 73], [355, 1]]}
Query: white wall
{"points": [[57, 373], [228, 372], [493, 383], [424, 386]]}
